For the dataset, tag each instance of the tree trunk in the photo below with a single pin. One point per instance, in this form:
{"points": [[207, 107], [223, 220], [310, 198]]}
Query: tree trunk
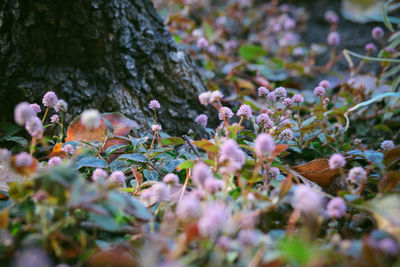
{"points": [[113, 55]]}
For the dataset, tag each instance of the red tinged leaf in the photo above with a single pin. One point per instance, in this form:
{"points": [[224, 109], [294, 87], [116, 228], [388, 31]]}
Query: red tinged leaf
{"points": [[121, 124], [57, 151], [28, 170], [285, 186], [206, 145], [318, 171], [279, 148]]}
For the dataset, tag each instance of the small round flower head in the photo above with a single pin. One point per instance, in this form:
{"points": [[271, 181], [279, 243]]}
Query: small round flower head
{"points": [[118, 177], [99, 174], [54, 161], [225, 243], [50, 99], [231, 152], [36, 107], [388, 246], [288, 102], [357, 175], [262, 118], [289, 24], [306, 199], [171, 179], [213, 185], [91, 118], [390, 49], [370, 47], [377, 33], [34, 127], [264, 144], [286, 135], [280, 93], [333, 39], [336, 161], [202, 120], [269, 124], [331, 17], [205, 98], [188, 208], [319, 91], [68, 149], [154, 104], [387, 145], [200, 173], [262, 91], [336, 207], [61, 106], [216, 96], [273, 173], [156, 127], [271, 96], [5, 154], [225, 113], [249, 237], [202, 43], [325, 84], [213, 220], [160, 192], [298, 52], [23, 112], [54, 119], [23, 159], [244, 110], [298, 98]]}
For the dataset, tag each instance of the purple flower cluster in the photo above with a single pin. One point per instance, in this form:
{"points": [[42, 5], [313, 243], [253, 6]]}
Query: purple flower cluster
{"points": [[225, 113], [202, 120], [54, 161], [50, 99], [306, 199], [171, 179], [244, 110], [336, 161], [336, 207], [154, 104], [264, 145], [230, 152], [118, 177]]}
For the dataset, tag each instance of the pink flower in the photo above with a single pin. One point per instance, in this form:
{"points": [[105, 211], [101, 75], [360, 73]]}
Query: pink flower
{"points": [[188, 208], [50, 99], [377, 33], [264, 144], [171, 179], [289, 24], [336, 207], [319, 91], [202, 120], [333, 39], [99, 174], [23, 112], [54, 119], [156, 127], [160, 192], [271, 96], [216, 95], [23, 159], [331, 17], [118, 177], [36, 108], [231, 152], [54, 161], [68, 149], [205, 98], [202, 43], [200, 173], [280, 93], [388, 246], [288, 102], [306, 199], [249, 237], [34, 127], [268, 124], [262, 118], [387, 145], [298, 98], [61, 106], [262, 91], [273, 173], [244, 110], [325, 84], [5, 154], [370, 47], [91, 118], [357, 175], [213, 220], [336, 161], [213, 185], [154, 104], [286, 135], [225, 112]]}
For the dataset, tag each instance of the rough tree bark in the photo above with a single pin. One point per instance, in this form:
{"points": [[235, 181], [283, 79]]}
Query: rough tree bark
{"points": [[113, 55]]}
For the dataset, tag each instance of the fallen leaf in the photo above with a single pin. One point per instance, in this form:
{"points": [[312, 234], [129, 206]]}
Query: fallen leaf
{"points": [[121, 124], [318, 171], [279, 148]]}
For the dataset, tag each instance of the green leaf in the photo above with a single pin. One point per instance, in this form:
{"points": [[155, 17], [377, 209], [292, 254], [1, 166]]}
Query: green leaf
{"points": [[150, 175], [91, 162], [173, 141], [134, 157], [187, 164], [206, 145], [17, 139], [111, 150], [251, 52]]}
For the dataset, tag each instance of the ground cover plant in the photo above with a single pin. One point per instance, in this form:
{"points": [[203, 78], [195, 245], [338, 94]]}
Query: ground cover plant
{"points": [[295, 161]]}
